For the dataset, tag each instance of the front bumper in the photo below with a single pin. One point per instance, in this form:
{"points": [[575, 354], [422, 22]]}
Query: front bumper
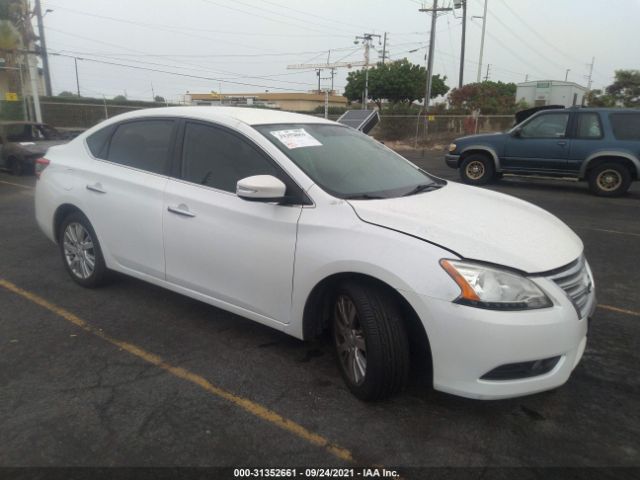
{"points": [[467, 343], [452, 160]]}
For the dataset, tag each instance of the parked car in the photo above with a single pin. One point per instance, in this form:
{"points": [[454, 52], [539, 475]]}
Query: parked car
{"points": [[306, 225], [601, 146], [21, 143]]}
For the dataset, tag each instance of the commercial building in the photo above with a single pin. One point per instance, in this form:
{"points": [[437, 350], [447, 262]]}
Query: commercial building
{"points": [[295, 102], [550, 92]]}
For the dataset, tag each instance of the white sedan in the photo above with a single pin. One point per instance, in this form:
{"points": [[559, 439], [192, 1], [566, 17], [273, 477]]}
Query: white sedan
{"points": [[305, 225]]}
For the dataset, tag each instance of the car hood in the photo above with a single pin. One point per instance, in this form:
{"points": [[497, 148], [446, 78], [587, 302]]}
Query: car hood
{"points": [[479, 224], [37, 148]]}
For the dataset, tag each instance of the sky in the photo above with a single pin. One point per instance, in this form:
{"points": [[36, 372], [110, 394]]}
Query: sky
{"points": [[245, 46]]}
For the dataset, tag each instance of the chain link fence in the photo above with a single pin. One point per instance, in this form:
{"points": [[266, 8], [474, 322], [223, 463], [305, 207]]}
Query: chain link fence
{"points": [[407, 130]]}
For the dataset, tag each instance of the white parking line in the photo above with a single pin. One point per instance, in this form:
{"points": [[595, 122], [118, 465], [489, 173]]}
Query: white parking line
{"points": [[17, 185]]}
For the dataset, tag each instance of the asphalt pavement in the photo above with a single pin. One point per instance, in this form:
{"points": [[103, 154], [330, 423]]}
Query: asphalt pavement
{"points": [[134, 375]]}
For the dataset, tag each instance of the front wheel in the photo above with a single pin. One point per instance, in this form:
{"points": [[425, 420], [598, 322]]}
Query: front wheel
{"points": [[81, 251], [609, 180], [477, 169], [370, 340]]}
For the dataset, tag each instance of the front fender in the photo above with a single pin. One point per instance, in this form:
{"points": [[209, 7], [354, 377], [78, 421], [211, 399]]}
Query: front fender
{"points": [[485, 148]]}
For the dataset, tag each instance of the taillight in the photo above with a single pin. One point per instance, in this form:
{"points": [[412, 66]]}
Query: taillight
{"points": [[41, 164]]}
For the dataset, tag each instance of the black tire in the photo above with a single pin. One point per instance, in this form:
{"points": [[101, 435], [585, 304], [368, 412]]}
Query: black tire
{"points": [[477, 169], [99, 274], [15, 166], [609, 179], [378, 322]]}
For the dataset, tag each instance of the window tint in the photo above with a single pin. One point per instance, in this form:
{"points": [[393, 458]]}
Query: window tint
{"points": [[589, 126], [142, 144], [550, 125], [97, 142], [218, 159], [626, 126]]}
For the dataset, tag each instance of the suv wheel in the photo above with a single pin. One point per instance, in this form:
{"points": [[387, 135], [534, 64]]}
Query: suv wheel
{"points": [[81, 251], [370, 340], [609, 180], [477, 169]]}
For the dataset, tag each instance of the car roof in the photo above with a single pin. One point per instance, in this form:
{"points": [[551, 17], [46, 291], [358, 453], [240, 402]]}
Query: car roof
{"points": [[248, 115]]}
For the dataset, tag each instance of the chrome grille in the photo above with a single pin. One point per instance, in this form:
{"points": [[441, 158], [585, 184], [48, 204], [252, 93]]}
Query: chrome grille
{"points": [[575, 279]]}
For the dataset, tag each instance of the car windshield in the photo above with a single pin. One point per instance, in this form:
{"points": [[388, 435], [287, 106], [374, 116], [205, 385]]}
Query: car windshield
{"points": [[346, 163]]}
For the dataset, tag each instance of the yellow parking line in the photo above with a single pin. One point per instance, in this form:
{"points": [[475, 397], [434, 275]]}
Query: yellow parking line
{"points": [[619, 310], [249, 406], [17, 185]]}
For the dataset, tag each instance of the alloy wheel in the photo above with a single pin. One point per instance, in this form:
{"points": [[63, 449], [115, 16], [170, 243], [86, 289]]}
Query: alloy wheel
{"points": [[79, 251], [609, 180], [349, 339], [475, 170]]}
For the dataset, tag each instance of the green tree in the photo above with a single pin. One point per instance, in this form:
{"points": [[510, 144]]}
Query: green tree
{"points": [[396, 82], [598, 98], [119, 98], [159, 99], [67, 94], [488, 97], [625, 89]]}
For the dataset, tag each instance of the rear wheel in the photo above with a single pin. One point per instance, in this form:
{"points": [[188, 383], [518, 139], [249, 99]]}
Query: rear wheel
{"points": [[81, 251], [477, 169], [370, 340], [609, 180]]}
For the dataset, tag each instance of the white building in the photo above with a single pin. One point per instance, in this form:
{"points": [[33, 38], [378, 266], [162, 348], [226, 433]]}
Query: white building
{"points": [[550, 92]]}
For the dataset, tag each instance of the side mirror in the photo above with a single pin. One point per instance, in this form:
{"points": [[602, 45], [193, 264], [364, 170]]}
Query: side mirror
{"points": [[261, 188], [517, 133]]}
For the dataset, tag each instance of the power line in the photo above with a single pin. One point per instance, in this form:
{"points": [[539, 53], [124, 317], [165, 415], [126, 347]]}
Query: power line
{"points": [[193, 29], [136, 67]]}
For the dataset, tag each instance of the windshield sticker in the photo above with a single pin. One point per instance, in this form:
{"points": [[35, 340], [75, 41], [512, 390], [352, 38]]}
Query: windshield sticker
{"points": [[296, 138]]}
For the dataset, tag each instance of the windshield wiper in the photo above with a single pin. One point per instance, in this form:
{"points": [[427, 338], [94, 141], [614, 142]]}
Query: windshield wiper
{"points": [[425, 187], [363, 196]]}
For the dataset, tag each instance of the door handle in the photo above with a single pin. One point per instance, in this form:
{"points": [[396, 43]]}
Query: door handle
{"points": [[181, 209], [96, 187]]}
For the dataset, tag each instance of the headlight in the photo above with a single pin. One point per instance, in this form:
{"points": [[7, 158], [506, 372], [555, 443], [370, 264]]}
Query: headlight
{"points": [[492, 288], [452, 147]]}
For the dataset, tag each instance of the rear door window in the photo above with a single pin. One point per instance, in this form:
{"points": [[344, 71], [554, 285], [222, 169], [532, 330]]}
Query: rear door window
{"points": [[143, 144], [588, 126], [626, 126]]}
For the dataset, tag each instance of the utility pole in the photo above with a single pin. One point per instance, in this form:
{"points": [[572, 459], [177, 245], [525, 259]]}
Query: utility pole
{"points": [[366, 41], [324, 66], [566, 74], [462, 48], [33, 73], [526, 77], [590, 76], [384, 48], [432, 43], [75, 60], [486, 77], [484, 26], [153, 94], [43, 50]]}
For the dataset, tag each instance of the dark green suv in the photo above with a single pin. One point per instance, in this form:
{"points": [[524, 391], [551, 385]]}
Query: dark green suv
{"points": [[601, 146]]}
